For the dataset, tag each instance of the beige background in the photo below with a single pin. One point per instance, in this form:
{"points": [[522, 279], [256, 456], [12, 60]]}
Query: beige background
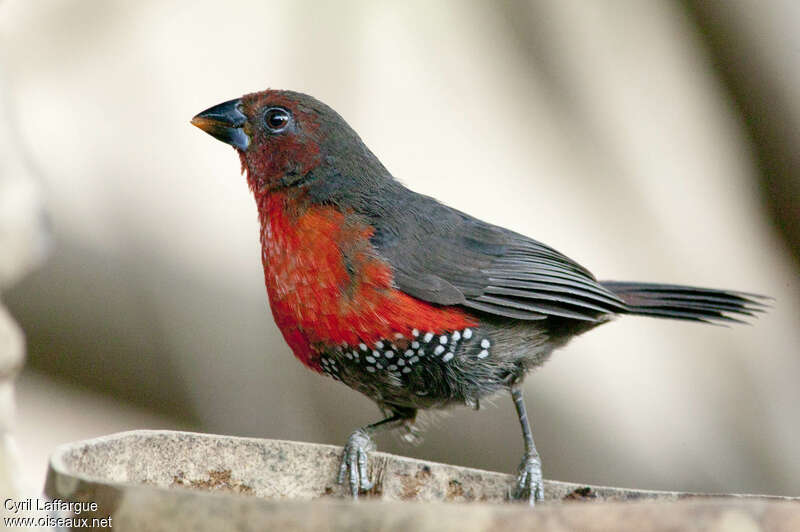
{"points": [[647, 140]]}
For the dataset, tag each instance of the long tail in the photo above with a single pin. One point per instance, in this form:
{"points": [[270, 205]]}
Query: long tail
{"points": [[687, 302]]}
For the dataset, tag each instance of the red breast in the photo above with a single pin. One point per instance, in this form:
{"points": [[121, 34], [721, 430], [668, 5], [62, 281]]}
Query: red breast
{"points": [[327, 286]]}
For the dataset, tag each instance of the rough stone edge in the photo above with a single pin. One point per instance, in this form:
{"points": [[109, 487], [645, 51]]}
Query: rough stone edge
{"points": [[144, 507], [61, 481], [147, 507]]}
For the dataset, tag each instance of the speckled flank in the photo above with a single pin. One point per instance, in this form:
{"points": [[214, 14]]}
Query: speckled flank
{"points": [[406, 362], [405, 352]]}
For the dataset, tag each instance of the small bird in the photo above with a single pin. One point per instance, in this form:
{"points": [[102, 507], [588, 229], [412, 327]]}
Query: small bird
{"points": [[411, 302]]}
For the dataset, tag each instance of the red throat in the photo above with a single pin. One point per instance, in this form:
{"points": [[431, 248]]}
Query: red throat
{"points": [[326, 285]]}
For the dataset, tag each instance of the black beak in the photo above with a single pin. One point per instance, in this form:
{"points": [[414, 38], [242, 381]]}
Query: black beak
{"points": [[224, 122]]}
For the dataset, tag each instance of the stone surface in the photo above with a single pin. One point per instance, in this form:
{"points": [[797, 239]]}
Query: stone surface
{"points": [[163, 480]]}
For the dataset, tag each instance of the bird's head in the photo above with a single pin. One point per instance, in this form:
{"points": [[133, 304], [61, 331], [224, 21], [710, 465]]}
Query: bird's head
{"points": [[288, 139]]}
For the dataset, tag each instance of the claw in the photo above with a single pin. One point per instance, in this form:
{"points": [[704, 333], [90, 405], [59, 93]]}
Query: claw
{"points": [[354, 460], [530, 484]]}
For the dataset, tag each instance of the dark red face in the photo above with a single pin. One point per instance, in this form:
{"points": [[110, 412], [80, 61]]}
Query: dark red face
{"points": [[277, 134]]}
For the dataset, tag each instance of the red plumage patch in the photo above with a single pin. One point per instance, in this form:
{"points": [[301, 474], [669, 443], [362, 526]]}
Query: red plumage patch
{"points": [[327, 286]]}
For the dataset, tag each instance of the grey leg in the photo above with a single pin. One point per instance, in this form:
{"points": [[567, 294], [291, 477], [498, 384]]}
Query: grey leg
{"points": [[530, 484], [358, 447]]}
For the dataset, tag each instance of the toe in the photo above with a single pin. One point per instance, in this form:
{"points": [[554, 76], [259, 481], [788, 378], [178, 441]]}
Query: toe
{"points": [[342, 470], [354, 466], [353, 476], [366, 485]]}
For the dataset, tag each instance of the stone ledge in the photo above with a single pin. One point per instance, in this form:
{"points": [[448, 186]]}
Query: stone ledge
{"points": [[164, 480]]}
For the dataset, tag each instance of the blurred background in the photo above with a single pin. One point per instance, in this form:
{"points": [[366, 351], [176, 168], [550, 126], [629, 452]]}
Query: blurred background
{"points": [[651, 141]]}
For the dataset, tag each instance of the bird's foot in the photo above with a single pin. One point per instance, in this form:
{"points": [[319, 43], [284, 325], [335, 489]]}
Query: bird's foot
{"points": [[530, 483], [354, 461]]}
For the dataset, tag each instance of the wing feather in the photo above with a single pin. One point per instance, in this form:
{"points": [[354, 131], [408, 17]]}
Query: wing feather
{"points": [[446, 257]]}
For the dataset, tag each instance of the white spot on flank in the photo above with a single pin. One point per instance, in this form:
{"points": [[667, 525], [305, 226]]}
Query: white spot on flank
{"points": [[389, 354], [443, 339], [392, 367], [483, 354], [439, 350], [448, 357], [401, 362], [376, 353], [406, 370], [370, 369], [408, 353], [398, 335], [427, 337], [413, 359], [485, 343], [415, 333], [456, 336], [414, 345], [467, 334], [371, 360], [363, 347], [379, 344]]}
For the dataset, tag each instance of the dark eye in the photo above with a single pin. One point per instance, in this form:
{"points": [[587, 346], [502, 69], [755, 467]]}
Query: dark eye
{"points": [[276, 119]]}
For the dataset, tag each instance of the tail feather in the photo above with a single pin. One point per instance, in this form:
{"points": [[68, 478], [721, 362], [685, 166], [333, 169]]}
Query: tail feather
{"points": [[706, 305]]}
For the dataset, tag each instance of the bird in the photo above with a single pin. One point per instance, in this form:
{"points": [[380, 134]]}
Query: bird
{"points": [[411, 302]]}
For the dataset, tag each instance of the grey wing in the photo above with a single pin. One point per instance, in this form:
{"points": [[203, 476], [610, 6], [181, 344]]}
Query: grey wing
{"points": [[444, 256]]}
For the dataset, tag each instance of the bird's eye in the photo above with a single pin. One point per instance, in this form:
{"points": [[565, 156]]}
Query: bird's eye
{"points": [[276, 119]]}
